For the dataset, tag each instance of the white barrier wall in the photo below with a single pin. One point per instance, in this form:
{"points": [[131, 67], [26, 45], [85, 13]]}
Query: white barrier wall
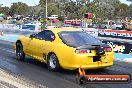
{"points": [[91, 31], [33, 27], [9, 26]]}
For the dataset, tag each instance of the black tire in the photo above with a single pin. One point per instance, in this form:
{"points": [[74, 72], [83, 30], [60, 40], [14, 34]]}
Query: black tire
{"points": [[105, 27], [82, 80], [117, 28], [53, 63], [19, 52]]}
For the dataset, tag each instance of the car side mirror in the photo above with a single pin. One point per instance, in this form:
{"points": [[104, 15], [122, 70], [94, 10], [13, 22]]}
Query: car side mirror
{"points": [[32, 36]]}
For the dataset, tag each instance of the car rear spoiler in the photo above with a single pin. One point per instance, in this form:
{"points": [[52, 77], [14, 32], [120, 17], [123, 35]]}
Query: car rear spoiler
{"points": [[93, 46]]}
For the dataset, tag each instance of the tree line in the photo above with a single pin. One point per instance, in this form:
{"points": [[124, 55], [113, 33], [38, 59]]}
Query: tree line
{"points": [[73, 9]]}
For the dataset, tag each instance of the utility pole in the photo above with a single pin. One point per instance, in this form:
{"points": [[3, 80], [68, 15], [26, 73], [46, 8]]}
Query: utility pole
{"points": [[46, 15], [46, 10]]}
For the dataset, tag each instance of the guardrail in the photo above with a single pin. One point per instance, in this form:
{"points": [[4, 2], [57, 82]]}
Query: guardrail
{"points": [[122, 34]]}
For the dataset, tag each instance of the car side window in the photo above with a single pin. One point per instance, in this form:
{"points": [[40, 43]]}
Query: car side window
{"points": [[49, 36], [46, 35], [40, 35]]}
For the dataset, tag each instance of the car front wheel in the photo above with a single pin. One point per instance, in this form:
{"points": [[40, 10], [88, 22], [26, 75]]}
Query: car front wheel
{"points": [[53, 63], [19, 51]]}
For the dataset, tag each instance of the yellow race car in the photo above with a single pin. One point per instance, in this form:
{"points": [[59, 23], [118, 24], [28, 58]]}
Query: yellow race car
{"points": [[67, 48]]}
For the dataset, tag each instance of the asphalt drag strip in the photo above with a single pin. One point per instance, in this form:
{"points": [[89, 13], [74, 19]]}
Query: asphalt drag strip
{"points": [[34, 74]]}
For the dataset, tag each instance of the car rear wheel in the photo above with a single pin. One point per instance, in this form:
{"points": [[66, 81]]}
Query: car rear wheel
{"points": [[53, 63], [19, 51]]}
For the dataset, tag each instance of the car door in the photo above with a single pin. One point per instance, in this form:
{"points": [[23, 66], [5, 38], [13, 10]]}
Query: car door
{"points": [[39, 45], [47, 44], [34, 44]]}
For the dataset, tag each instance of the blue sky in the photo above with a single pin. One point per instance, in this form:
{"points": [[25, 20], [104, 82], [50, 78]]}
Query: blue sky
{"points": [[35, 2], [29, 2], [126, 2]]}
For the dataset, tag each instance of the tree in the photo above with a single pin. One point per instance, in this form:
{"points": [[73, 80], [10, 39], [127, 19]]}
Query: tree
{"points": [[4, 10], [107, 1], [130, 11], [76, 8], [19, 8], [34, 10], [43, 2], [71, 10], [53, 6], [105, 8], [124, 8], [52, 9]]}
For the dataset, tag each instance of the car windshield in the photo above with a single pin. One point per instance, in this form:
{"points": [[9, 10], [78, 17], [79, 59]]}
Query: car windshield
{"points": [[78, 38]]}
